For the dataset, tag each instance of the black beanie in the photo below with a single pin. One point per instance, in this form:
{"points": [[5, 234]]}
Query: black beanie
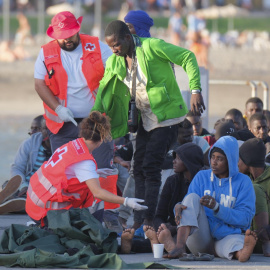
{"points": [[216, 149], [253, 152], [224, 128]]}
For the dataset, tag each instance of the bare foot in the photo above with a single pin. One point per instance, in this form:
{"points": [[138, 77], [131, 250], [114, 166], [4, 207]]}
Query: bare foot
{"points": [[177, 252], [250, 241], [126, 240], [151, 234], [165, 237]]}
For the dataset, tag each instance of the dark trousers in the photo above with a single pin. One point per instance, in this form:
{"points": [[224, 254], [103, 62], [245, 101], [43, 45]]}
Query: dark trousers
{"points": [[67, 133], [151, 148]]}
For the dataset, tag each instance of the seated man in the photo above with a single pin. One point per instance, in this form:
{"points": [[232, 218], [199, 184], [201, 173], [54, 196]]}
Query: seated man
{"points": [[237, 117], [258, 126], [35, 125], [30, 156], [196, 122], [216, 209], [188, 160], [251, 162], [222, 128], [253, 105], [185, 135]]}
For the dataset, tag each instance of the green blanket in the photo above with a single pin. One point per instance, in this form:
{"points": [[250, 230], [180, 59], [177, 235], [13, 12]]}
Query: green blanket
{"points": [[32, 247]]}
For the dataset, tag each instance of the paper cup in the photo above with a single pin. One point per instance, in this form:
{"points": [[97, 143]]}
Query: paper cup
{"points": [[158, 250]]}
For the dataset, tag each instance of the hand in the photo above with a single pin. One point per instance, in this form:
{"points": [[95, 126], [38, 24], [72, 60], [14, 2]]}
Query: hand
{"points": [[125, 164], [208, 201], [22, 192], [178, 212], [65, 114], [133, 203], [196, 104]]}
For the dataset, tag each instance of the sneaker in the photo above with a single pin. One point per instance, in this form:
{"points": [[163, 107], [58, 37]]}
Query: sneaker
{"points": [[111, 221], [13, 205], [10, 188]]}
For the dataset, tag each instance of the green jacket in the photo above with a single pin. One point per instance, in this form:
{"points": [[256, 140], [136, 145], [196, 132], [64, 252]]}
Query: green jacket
{"points": [[263, 180], [154, 57]]}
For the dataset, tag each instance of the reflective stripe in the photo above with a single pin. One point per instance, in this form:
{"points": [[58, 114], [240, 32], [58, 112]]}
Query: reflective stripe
{"points": [[53, 117], [34, 198], [57, 205], [76, 195], [45, 182]]}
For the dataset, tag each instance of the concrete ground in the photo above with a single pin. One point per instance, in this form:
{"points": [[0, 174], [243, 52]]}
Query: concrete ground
{"points": [[256, 261]]}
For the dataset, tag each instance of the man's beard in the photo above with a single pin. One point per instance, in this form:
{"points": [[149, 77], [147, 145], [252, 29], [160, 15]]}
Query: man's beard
{"points": [[73, 45]]}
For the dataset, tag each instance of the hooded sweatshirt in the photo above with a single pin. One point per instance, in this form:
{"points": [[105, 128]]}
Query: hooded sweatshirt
{"points": [[234, 194], [176, 186]]}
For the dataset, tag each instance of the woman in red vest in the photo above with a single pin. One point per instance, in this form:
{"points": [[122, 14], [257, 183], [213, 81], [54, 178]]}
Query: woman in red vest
{"points": [[69, 178]]}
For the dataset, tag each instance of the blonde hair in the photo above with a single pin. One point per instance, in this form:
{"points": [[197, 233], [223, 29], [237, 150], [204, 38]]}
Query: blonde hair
{"points": [[96, 127]]}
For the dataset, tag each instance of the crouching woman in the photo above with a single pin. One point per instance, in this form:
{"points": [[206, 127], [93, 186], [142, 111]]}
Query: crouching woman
{"points": [[69, 178]]}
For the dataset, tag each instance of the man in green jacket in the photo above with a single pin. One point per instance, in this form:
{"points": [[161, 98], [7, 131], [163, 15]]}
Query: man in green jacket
{"points": [[158, 100], [252, 162]]}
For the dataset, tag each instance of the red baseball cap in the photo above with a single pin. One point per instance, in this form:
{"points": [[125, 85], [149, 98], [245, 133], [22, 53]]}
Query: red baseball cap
{"points": [[64, 25]]}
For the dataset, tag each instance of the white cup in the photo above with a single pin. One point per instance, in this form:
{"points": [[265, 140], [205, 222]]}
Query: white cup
{"points": [[158, 250]]}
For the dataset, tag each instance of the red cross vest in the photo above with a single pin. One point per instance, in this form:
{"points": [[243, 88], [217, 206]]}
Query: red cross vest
{"points": [[92, 68], [49, 188]]}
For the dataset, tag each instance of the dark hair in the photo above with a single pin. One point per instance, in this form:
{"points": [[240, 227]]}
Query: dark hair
{"points": [[234, 112], [96, 127], [117, 28], [186, 124], [266, 113], [38, 119], [254, 100], [256, 116]]}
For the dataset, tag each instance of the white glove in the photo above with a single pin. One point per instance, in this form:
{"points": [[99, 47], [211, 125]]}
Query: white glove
{"points": [[133, 203], [65, 114]]}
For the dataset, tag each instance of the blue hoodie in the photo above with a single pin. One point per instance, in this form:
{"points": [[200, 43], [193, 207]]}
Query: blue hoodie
{"points": [[234, 194]]}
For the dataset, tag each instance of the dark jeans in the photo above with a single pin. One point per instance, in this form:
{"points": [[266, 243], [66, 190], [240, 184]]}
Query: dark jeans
{"points": [[151, 148], [67, 133]]}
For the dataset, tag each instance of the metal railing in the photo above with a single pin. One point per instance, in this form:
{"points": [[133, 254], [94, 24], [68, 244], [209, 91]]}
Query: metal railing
{"points": [[254, 88]]}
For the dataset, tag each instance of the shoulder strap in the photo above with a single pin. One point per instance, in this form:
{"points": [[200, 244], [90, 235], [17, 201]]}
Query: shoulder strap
{"points": [[134, 75]]}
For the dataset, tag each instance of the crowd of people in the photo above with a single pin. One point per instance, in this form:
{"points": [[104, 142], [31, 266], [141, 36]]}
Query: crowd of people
{"points": [[118, 139]]}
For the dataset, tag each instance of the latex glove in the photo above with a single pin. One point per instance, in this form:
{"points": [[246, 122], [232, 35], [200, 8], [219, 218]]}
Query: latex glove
{"points": [[65, 114], [133, 203]]}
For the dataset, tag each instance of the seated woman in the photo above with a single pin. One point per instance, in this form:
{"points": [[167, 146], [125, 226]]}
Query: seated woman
{"points": [[216, 210], [188, 160], [69, 178]]}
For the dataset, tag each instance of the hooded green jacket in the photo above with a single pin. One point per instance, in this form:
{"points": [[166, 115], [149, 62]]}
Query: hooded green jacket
{"points": [[154, 57]]}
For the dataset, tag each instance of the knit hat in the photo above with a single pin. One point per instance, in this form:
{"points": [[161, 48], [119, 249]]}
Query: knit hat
{"points": [[191, 155], [224, 128], [141, 22], [64, 25], [216, 149], [242, 135], [253, 152]]}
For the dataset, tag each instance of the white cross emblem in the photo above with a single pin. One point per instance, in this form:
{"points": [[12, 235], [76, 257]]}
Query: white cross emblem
{"points": [[90, 47], [61, 25]]}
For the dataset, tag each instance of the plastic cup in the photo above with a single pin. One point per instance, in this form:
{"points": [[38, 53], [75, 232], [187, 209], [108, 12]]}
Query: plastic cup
{"points": [[158, 250]]}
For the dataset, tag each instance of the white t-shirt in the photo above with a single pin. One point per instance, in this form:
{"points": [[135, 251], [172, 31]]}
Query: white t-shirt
{"points": [[83, 170], [149, 119], [79, 99]]}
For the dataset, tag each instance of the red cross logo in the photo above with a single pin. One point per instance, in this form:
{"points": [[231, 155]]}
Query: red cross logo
{"points": [[90, 47], [56, 157], [61, 25]]}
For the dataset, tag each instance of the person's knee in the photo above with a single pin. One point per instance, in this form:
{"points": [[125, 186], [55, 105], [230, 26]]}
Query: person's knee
{"points": [[191, 198]]}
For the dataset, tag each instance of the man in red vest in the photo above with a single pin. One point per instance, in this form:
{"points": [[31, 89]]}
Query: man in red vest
{"points": [[67, 74]]}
